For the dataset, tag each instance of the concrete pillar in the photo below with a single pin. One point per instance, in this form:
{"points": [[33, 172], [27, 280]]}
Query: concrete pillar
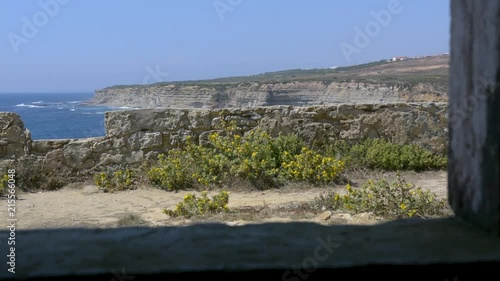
{"points": [[474, 108]]}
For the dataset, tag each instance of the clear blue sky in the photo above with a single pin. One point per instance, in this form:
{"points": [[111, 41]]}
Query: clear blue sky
{"points": [[84, 45]]}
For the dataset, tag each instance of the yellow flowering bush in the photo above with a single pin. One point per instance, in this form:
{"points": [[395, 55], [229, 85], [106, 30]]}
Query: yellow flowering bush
{"points": [[257, 161], [172, 171], [312, 167], [256, 157], [193, 206], [390, 200], [111, 181], [212, 164]]}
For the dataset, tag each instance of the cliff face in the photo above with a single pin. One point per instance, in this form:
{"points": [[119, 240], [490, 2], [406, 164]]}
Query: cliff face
{"points": [[268, 94]]}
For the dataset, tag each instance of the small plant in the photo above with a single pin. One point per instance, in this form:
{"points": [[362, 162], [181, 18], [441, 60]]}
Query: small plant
{"points": [[30, 176], [389, 200], [3, 184], [118, 180], [193, 206], [129, 220]]}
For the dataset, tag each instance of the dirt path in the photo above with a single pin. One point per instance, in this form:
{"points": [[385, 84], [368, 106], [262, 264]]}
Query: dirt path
{"points": [[85, 206]]}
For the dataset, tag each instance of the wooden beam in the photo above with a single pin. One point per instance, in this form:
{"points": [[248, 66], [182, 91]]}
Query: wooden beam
{"points": [[474, 108], [294, 251]]}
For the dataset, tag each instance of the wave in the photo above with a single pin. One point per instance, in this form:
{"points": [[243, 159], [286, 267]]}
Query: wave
{"points": [[49, 103], [93, 113], [70, 106], [121, 107], [28, 105]]}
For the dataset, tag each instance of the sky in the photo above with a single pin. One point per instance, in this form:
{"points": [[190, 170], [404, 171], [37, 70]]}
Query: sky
{"points": [[86, 45]]}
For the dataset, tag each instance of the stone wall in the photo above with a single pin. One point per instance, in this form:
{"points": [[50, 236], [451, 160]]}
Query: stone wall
{"points": [[137, 135]]}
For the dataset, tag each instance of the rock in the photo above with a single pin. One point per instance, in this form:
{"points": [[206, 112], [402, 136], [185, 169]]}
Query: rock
{"points": [[13, 136], [365, 218], [199, 119], [135, 157], [90, 189], [325, 216], [340, 218], [102, 145], [77, 153], [235, 223], [142, 140], [110, 158]]}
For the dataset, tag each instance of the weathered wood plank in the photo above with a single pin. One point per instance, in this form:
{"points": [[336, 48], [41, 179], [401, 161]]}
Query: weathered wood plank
{"points": [[474, 103], [219, 247]]}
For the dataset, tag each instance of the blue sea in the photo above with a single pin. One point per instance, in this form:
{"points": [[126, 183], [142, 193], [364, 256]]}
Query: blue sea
{"points": [[57, 116]]}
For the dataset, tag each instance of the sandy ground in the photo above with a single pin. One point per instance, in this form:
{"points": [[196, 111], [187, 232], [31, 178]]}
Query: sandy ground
{"points": [[83, 205]]}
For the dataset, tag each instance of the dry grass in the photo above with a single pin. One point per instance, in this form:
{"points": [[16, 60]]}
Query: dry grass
{"points": [[131, 220]]}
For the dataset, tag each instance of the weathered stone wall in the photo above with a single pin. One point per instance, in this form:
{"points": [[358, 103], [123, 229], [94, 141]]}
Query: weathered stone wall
{"points": [[137, 135]]}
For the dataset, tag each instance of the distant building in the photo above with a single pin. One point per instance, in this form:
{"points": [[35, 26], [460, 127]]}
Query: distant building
{"points": [[399, 58]]}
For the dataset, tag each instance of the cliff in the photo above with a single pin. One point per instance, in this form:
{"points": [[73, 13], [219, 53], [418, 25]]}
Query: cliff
{"points": [[416, 80], [255, 94]]}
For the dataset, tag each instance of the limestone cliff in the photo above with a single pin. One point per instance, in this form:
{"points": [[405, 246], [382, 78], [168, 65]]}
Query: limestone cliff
{"points": [[413, 80], [267, 94]]}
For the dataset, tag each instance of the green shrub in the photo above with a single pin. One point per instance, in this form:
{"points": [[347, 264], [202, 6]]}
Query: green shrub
{"points": [[193, 206], [30, 177], [382, 154], [212, 164], [255, 157], [394, 200], [172, 171], [3, 184], [385, 155], [310, 166], [110, 181]]}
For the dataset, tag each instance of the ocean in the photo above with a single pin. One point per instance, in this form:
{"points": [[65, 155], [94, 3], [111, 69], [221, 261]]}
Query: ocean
{"points": [[57, 116]]}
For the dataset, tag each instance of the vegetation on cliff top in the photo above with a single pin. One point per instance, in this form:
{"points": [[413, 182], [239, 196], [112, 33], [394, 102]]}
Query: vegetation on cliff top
{"points": [[430, 70]]}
